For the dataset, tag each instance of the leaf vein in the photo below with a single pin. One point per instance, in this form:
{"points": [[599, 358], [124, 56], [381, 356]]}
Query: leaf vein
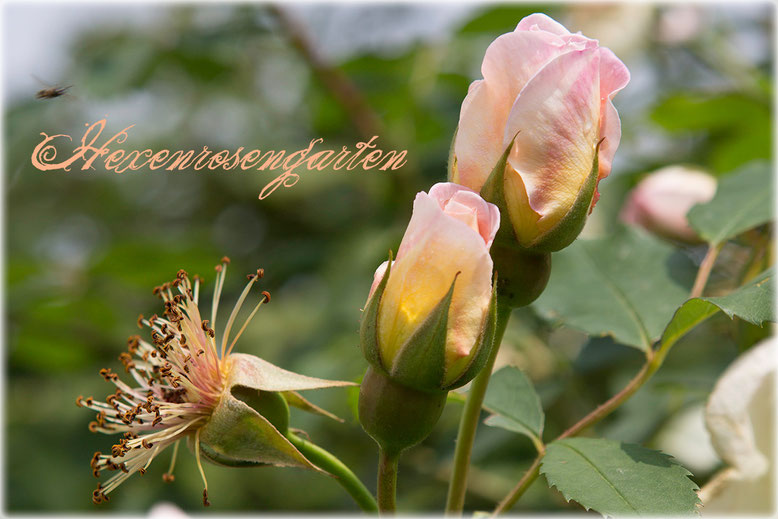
{"points": [[722, 235], [622, 297], [594, 467]]}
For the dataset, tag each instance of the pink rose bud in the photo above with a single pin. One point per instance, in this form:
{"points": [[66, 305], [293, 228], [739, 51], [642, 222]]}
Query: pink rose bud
{"points": [[442, 271], [660, 201], [429, 320], [545, 99]]}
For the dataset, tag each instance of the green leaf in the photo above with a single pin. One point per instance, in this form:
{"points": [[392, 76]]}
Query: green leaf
{"points": [[752, 302], [694, 112], [742, 201], [514, 402], [627, 285], [619, 479]]}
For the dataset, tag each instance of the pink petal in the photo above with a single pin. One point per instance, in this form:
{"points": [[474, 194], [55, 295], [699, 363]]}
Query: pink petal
{"points": [[541, 22], [377, 277], [436, 248], [513, 58], [510, 61], [450, 196], [614, 76], [556, 120]]}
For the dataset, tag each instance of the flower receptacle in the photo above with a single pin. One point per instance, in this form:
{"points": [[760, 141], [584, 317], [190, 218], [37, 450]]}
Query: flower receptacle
{"points": [[394, 415]]}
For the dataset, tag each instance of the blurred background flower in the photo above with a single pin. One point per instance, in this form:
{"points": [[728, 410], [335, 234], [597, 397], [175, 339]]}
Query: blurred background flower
{"points": [[82, 248], [660, 201]]}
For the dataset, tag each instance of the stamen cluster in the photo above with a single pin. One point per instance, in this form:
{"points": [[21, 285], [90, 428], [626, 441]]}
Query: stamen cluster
{"points": [[180, 377]]}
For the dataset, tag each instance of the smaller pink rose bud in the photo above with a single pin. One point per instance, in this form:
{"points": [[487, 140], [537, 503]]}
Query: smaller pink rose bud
{"points": [[429, 320], [443, 260], [660, 201]]}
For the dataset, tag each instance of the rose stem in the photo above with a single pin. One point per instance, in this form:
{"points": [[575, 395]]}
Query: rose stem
{"points": [[469, 421]]}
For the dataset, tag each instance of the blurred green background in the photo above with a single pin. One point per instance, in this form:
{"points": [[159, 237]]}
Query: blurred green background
{"points": [[84, 249]]}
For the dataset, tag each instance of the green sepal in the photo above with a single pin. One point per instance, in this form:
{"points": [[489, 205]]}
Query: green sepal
{"points": [[421, 361], [269, 404], [523, 273], [453, 175], [571, 225], [249, 422], [225, 461], [368, 328], [237, 434], [295, 399], [251, 371], [493, 191], [484, 346]]}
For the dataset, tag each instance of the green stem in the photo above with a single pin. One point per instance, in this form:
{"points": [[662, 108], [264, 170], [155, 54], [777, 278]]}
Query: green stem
{"points": [[469, 421], [387, 482], [654, 360], [344, 476], [524, 483], [705, 269]]}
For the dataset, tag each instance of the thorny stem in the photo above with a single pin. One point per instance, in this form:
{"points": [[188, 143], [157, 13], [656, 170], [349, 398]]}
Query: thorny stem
{"points": [[469, 421], [705, 269], [387, 482], [342, 474]]}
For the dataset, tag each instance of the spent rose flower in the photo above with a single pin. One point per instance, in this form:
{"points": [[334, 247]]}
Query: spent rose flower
{"points": [[188, 385], [442, 270], [547, 94], [660, 201]]}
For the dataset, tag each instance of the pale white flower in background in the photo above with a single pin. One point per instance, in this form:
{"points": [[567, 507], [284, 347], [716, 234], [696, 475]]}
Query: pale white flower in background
{"points": [[740, 417], [685, 438]]}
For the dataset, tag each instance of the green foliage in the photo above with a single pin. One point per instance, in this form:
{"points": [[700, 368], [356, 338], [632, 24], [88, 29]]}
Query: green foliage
{"points": [[492, 19], [618, 479], [737, 127], [627, 285], [743, 200], [514, 403], [84, 248], [752, 302]]}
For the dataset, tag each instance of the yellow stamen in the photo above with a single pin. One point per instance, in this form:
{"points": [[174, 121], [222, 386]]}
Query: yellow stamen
{"points": [[235, 311], [246, 323], [168, 476], [200, 467]]}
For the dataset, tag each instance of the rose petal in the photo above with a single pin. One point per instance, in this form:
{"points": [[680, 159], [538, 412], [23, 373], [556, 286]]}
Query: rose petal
{"points": [[488, 215], [556, 123], [435, 248], [377, 277], [614, 76], [510, 61], [541, 22]]}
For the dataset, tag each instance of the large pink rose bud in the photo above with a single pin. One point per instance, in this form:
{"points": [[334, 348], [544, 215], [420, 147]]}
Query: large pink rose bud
{"points": [[429, 320], [542, 121], [660, 201]]}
